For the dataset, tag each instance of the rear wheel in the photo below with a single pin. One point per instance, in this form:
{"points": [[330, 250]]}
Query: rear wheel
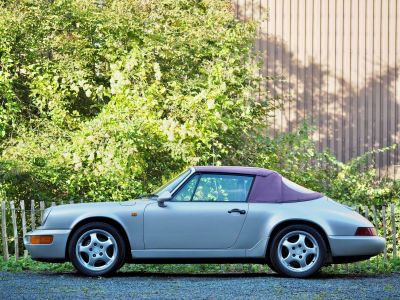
{"points": [[298, 251], [97, 249]]}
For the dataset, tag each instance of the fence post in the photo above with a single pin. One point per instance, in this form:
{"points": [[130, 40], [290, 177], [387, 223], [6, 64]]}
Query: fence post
{"points": [[41, 207], [71, 201], [23, 216], [33, 217], [375, 217], [366, 214], [4, 231], [384, 231], [15, 229], [394, 230], [358, 265]]}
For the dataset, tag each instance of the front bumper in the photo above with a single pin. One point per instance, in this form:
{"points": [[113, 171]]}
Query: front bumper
{"points": [[53, 251], [356, 245]]}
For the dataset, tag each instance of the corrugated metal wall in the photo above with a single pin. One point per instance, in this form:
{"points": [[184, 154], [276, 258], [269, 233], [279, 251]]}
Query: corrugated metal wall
{"points": [[340, 60]]}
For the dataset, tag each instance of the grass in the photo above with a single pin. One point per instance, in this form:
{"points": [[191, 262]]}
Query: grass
{"points": [[27, 264], [375, 266]]}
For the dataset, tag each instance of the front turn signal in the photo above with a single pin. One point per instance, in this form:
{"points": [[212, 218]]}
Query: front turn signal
{"points": [[41, 239], [366, 231]]}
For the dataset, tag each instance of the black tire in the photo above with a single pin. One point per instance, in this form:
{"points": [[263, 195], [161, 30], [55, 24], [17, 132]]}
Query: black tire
{"points": [[315, 261], [120, 249]]}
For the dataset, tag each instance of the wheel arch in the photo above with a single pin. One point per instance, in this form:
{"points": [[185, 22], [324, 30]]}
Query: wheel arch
{"points": [[285, 223], [107, 220]]}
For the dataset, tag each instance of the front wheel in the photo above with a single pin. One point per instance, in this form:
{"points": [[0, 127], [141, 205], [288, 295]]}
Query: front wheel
{"points": [[298, 251], [97, 249]]}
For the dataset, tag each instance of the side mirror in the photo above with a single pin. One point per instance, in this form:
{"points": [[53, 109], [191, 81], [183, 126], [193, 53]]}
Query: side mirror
{"points": [[161, 202], [166, 196]]}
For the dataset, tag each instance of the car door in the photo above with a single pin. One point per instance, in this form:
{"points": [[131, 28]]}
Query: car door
{"points": [[208, 212]]}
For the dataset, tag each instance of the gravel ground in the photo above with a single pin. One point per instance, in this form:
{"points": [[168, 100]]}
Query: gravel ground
{"points": [[159, 286]]}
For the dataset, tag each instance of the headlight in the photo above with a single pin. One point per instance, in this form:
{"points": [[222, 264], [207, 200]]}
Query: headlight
{"points": [[45, 215]]}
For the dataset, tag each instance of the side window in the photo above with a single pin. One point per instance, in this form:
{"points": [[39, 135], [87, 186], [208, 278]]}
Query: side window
{"points": [[223, 188], [186, 192]]}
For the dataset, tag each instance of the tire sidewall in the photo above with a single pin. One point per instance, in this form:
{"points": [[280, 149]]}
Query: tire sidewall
{"points": [[103, 226], [280, 268]]}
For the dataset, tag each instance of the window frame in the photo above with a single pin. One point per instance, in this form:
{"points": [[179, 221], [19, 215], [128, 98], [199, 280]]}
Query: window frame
{"points": [[180, 184], [211, 173]]}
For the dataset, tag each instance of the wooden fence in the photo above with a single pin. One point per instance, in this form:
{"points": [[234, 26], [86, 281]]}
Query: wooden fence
{"points": [[18, 218], [340, 60]]}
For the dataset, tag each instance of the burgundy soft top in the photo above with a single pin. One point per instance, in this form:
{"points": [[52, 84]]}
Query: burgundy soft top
{"points": [[269, 186]]}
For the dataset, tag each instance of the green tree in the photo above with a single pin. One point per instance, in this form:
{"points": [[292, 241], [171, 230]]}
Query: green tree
{"points": [[101, 102], [105, 100]]}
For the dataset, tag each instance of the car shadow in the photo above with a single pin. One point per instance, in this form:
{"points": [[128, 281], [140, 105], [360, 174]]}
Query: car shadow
{"points": [[132, 274], [237, 275]]}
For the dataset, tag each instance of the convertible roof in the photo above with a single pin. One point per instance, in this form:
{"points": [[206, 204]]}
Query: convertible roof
{"points": [[268, 187], [234, 170]]}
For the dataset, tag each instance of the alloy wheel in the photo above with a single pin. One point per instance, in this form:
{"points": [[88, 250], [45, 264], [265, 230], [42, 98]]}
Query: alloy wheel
{"points": [[298, 251], [96, 250]]}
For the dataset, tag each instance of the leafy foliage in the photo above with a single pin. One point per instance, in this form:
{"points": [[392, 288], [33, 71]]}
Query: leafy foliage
{"points": [[294, 155], [101, 102], [105, 102]]}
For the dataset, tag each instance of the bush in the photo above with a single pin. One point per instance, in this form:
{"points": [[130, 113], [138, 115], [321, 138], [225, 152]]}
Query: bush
{"points": [[102, 102], [294, 155], [106, 102]]}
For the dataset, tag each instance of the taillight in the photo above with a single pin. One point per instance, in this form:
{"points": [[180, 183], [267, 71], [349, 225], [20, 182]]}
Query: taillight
{"points": [[366, 231]]}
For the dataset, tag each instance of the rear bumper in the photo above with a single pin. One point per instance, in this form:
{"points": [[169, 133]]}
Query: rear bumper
{"points": [[356, 245], [51, 252]]}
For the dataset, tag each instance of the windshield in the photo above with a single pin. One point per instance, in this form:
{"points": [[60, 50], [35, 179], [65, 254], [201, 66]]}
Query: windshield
{"points": [[173, 183]]}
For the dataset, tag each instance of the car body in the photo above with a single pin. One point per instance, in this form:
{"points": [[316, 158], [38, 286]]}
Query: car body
{"points": [[209, 214]]}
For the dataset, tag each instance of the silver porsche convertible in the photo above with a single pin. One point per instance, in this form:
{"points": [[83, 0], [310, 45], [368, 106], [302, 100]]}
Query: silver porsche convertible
{"points": [[209, 215]]}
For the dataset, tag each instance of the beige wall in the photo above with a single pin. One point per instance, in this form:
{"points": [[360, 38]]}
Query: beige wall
{"points": [[341, 64]]}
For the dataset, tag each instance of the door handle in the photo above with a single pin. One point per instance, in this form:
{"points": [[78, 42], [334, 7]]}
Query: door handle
{"points": [[236, 210]]}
